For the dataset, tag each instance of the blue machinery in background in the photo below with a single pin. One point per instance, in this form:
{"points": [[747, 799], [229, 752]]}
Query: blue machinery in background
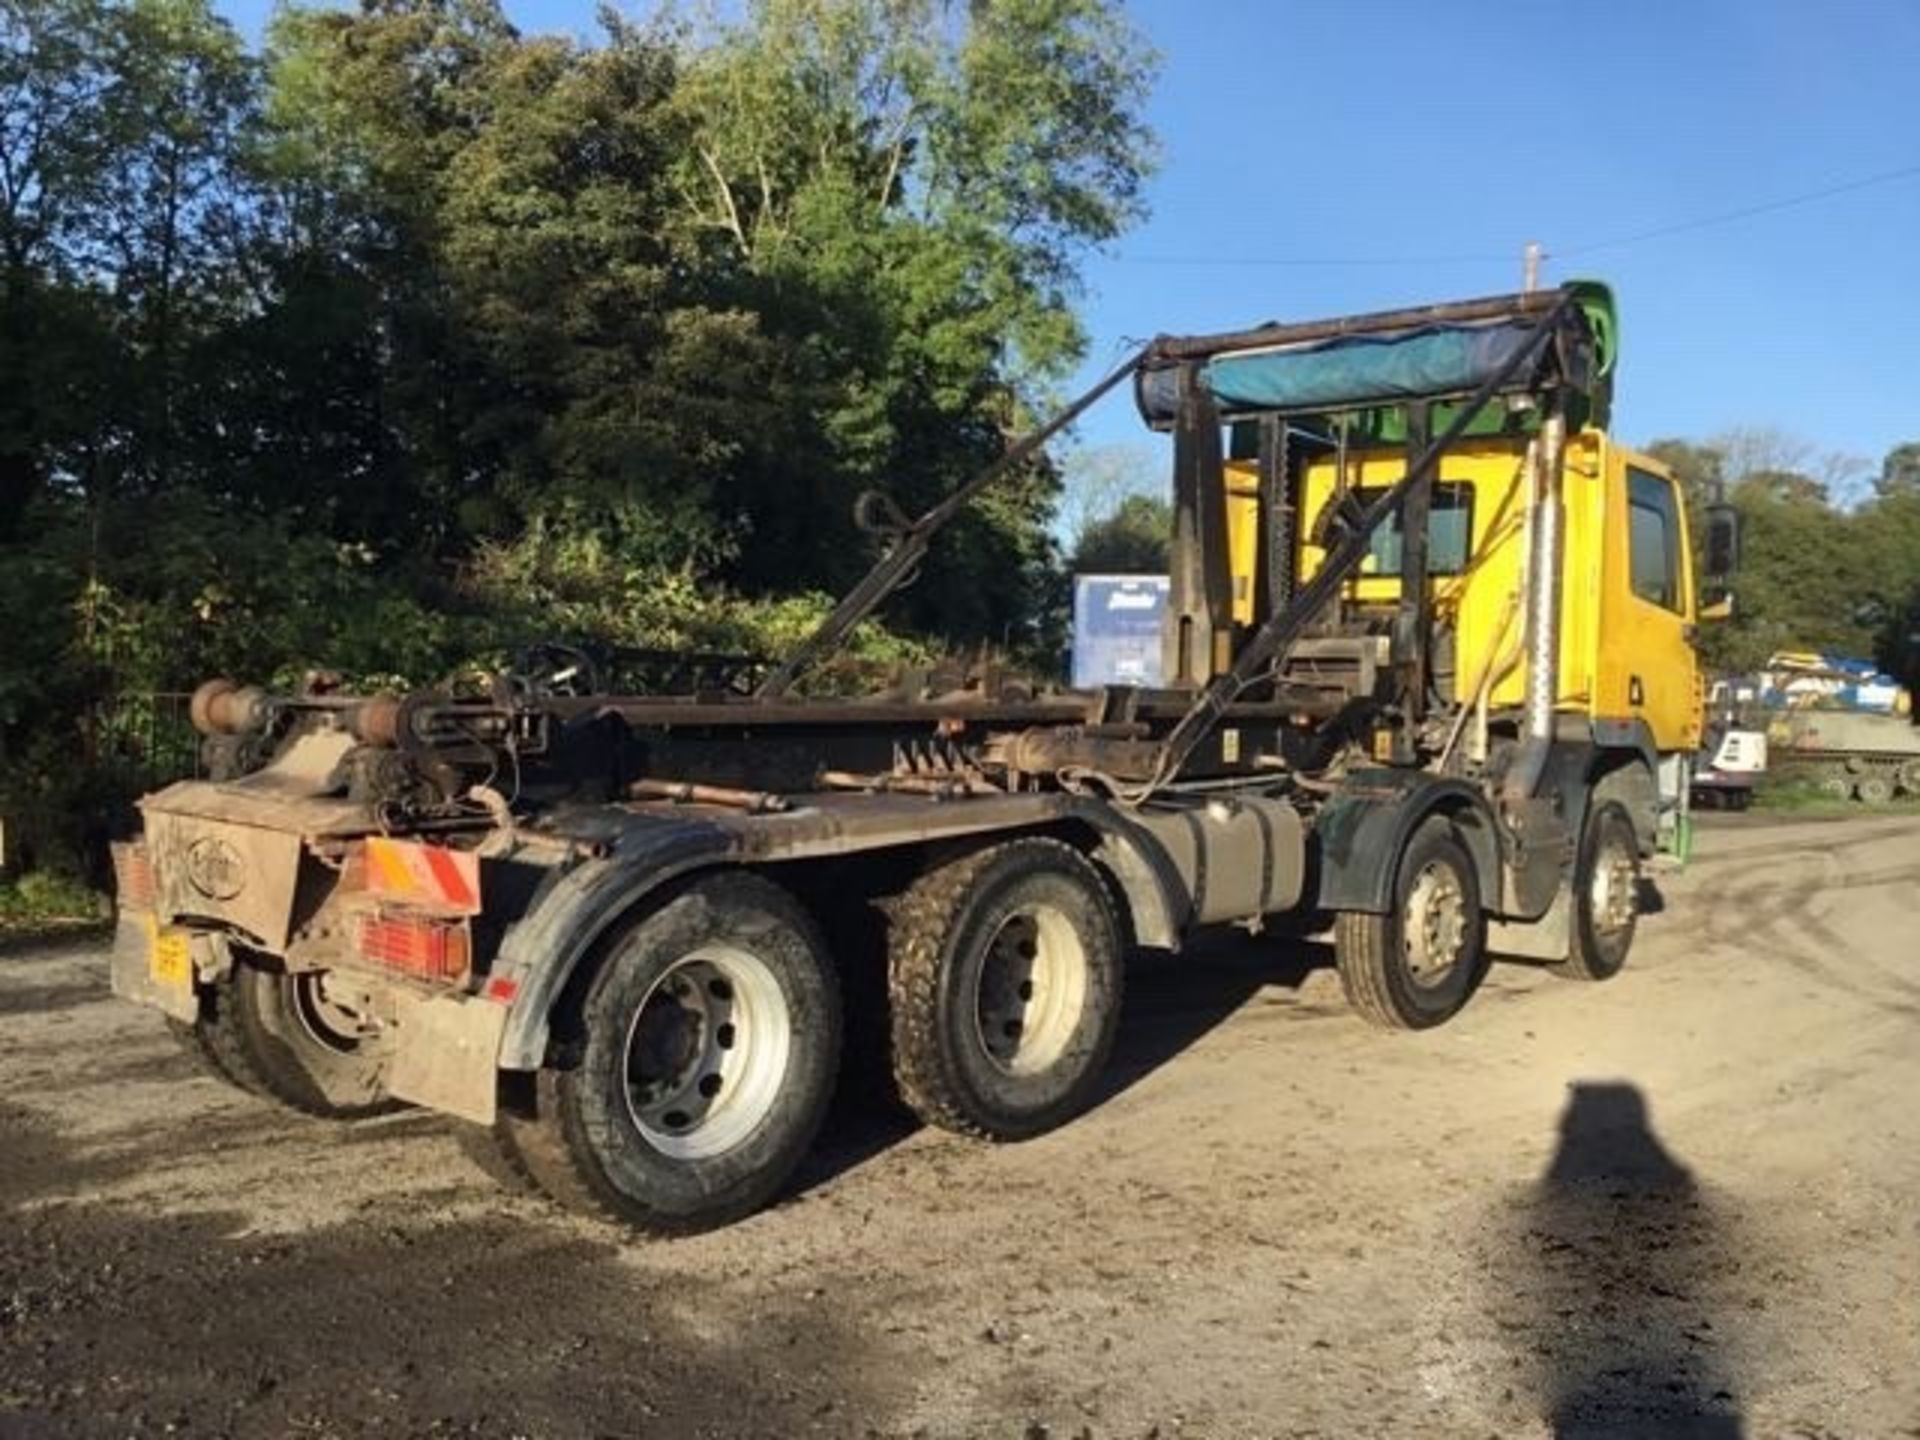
{"points": [[1116, 630]]}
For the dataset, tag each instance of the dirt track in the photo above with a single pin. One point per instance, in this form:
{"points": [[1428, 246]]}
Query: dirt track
{"points": [[1684, 1203]]}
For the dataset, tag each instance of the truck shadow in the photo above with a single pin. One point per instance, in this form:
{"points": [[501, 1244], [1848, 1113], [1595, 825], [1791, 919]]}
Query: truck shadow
{"points": [[1172, 1003], [1618, 1267], [79, 937], [118, 1320]]}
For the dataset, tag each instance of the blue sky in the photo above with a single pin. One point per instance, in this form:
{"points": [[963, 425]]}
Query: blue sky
{"points": [[1419, 133]]}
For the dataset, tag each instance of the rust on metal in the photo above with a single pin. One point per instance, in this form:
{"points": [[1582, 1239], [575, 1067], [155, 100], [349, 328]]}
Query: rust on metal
{"points": [[376, 721], [939, 787], [1047, 750], [681, 792], [226, 707]]}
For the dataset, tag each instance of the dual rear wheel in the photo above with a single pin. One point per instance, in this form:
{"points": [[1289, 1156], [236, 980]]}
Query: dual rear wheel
{"points": [[698, 1068], [705, 1050], [1004, 983]]}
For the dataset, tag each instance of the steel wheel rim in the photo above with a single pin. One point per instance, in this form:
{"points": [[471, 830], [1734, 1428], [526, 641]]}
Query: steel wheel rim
{"points": [[1434, 934], [1032, 990], [324, 1020], [1611, 899], [706, 1052]]}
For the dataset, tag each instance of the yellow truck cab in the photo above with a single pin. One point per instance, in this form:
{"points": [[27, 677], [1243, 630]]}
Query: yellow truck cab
{"points": [[1627, 604], [1413, 531]]}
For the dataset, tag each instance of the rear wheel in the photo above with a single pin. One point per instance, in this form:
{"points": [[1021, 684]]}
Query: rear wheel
{"points": [[297, 1041], [1415, 966], [1004, 976], [214, 1041], [707, 1048], [1606, 881]]}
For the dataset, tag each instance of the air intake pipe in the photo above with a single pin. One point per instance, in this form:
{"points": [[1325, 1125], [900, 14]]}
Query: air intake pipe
{"points": [[1546, 530]]}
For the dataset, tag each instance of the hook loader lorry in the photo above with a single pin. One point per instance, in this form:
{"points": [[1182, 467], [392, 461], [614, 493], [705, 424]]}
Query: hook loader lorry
{"points": [[1429, 682]]}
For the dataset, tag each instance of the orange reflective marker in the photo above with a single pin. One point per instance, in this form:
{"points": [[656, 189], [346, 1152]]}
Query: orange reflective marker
{"points": [[447, 880]]}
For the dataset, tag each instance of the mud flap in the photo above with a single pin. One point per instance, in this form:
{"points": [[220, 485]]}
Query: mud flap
{"points": [[1548, 938], [448, 1058]]}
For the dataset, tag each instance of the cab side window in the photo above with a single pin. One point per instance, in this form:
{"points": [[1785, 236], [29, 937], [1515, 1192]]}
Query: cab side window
{"points": [[1449, 531], [1653, 539]]}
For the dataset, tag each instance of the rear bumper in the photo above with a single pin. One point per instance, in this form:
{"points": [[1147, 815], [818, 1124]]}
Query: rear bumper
{"points": [[131, 969], [446, 1047]]}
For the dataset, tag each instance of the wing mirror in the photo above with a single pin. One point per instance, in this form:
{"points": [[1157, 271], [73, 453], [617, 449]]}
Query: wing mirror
{"points": [[1723, 561]]}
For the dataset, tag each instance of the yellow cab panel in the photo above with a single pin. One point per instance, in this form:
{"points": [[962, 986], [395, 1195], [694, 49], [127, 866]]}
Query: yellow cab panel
{"points": [[1626, 595], [1645, 665]]}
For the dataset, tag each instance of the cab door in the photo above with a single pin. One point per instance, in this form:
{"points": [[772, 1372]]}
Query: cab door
{"points": [[1648, 669]]}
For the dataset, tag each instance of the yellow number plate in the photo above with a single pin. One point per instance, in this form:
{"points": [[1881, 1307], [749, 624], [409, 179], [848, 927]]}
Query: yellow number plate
{"points": [[170, 958]]}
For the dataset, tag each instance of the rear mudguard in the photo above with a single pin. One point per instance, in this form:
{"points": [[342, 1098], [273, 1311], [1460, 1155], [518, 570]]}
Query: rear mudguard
{"points": [[572, 909], [632, 854]]}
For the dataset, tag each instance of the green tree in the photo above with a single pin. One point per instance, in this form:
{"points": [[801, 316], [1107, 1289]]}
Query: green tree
{"points": [[1888, 531], [1133, 540], [1900, 471], [485, 209], [725, 280], [899, 192], [390, 344], [118, 128]]}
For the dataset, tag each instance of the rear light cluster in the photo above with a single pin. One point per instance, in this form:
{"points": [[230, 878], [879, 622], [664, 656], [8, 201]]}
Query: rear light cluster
{"points": [[426, 946], [132, 875]]}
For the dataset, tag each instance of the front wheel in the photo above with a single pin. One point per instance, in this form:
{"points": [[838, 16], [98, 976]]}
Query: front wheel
{"points": [[1606, 885], [1413, 967], [706, 1053]]}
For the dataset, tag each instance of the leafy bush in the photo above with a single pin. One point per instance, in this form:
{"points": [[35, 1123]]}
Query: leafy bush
{"points": [[43, 896], [578, 578]]}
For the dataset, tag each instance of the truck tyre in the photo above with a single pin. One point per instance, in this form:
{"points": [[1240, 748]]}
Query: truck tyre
{"points": [[1606, 879], [706, 1051], [1413, 967], [1873, 788], [1004, 978], [213, 1040], [294, 1043]]}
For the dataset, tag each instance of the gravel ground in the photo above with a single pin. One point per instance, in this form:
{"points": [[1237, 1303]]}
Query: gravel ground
{"points": [[1683, 1203]]}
